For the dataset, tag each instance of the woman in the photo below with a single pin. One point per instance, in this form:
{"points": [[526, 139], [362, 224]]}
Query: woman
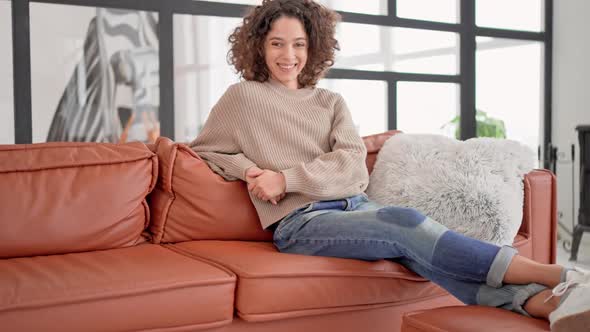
{"points": [[297, 148]]}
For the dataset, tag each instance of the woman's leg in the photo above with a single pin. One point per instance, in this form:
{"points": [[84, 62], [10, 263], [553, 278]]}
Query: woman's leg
{"points": [[528, 299], [363, 230], [523, 271]]}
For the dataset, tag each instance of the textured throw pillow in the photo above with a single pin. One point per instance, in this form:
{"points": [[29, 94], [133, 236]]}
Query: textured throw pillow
{"points": [[473, 187]]}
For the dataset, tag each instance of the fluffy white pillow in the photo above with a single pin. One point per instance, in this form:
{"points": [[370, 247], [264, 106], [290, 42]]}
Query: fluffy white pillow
{"points": [[473, 187]]}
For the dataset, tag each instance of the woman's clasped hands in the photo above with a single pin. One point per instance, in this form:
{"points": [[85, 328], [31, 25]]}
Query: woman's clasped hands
{"points": [[266, 185]]}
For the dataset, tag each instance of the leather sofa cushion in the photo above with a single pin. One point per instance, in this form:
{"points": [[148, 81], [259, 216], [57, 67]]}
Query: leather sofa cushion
{"points": [[274, 285], [130, 289], [191, 202], [72, 197], [470, 318]]}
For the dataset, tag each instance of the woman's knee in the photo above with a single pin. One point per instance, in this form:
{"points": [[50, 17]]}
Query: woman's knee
{"points": [[403, 216]]}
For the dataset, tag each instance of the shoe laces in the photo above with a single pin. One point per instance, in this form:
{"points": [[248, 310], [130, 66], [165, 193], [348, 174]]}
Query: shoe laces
{"points": [[562, 287]]}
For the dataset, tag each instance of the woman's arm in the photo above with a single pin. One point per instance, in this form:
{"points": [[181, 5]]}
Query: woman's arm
{"points": [[216, 145], [339, 173]]}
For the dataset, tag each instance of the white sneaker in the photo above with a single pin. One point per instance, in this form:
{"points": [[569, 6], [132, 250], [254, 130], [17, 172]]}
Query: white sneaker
{"points": [[578, 275], [573, 312]]}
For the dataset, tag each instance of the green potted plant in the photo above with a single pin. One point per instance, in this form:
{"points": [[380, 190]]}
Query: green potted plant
{"points": [[486, 126]]}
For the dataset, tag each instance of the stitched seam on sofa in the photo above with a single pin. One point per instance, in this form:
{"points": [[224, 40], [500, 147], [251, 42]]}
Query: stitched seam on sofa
{"points": [[188, 150], [90, 164], [182, 252], [308, 312], [165, 213], [144, 204], [158, 232], [192, 327], [146, 223], [168, 207], [155, 172], [387, 303], [243, 274], [61, 145], [348, 307], [553, 224], [523, 241], [527, 212], [396, 275], [92, 296], [422, 326]]}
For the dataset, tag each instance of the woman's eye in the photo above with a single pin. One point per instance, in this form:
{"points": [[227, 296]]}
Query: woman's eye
{"points": [[277, 44], [300, 45]]}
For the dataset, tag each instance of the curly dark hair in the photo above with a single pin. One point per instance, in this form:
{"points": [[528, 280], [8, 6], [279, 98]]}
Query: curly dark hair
{"points": [[247, 41]]}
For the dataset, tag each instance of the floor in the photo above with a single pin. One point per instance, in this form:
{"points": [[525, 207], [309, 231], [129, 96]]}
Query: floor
{"points": [[583, 254]]}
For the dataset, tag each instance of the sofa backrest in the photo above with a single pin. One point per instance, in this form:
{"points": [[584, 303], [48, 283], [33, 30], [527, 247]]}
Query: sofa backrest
{"points": [[191, 202], [72, 197], [374, 144]]}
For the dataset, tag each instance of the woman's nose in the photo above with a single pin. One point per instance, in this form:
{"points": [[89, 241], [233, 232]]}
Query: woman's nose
{"points": [[289, 52]]}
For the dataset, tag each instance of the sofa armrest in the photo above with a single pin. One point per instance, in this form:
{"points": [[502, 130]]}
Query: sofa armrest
{"points": [[539, 222]]}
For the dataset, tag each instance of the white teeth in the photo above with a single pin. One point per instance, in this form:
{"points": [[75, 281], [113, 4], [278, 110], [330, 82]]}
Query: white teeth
{"points": [[286, 66]]}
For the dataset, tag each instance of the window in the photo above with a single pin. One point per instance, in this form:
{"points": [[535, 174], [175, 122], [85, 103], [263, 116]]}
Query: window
{"points": [[372, 7], [372, 47], [429, 10], [397, 56], [201, 71], [427, 108], [508, 14], [366, 100], [509, 86]]}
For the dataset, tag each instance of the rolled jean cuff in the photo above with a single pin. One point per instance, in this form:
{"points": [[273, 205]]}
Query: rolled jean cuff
{"points": [[523, 295], [500, 266]]}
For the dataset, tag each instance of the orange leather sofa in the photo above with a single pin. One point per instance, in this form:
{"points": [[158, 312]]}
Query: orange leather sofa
{"points": [[126, 237]]}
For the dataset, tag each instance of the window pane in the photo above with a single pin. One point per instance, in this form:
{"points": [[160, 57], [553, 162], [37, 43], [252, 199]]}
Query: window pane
{"points": [[366, 100], [371, 47], [6, 86], [427, 107], [509, 86], [429, 10], [95, 74], [373, 7], [201, 71], [242, 2], [509, 14]]}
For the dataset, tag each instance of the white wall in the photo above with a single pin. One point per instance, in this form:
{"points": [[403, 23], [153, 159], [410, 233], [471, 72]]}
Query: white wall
{"points": [[571, 94]]}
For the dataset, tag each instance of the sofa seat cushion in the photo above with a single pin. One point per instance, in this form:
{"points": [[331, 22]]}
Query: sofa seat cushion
{"points": [[127, 289], [470, 318], [274, 285]]}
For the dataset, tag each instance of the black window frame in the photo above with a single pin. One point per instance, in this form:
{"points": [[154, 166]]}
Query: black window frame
{"points": [[166, 9]]}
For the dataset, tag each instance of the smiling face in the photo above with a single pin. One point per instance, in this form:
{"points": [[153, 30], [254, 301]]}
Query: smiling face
{"points": [[285, 50]]}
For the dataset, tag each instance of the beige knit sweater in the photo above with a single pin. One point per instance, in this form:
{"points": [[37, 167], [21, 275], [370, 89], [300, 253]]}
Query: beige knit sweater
{"points": [[307, 134]]}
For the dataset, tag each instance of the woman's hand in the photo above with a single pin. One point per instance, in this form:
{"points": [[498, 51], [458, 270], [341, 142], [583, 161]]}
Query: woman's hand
{"points": [[265, 184]]}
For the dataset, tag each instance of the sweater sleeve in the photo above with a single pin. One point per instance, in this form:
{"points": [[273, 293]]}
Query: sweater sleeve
{"points": [[336, 174], [216, 144]]}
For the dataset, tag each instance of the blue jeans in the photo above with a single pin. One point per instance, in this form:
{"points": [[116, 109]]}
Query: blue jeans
{"points": [[355, 227]]}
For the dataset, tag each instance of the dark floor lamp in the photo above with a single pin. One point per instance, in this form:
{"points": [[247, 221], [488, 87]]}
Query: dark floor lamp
{"points": [[584, 209]]}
